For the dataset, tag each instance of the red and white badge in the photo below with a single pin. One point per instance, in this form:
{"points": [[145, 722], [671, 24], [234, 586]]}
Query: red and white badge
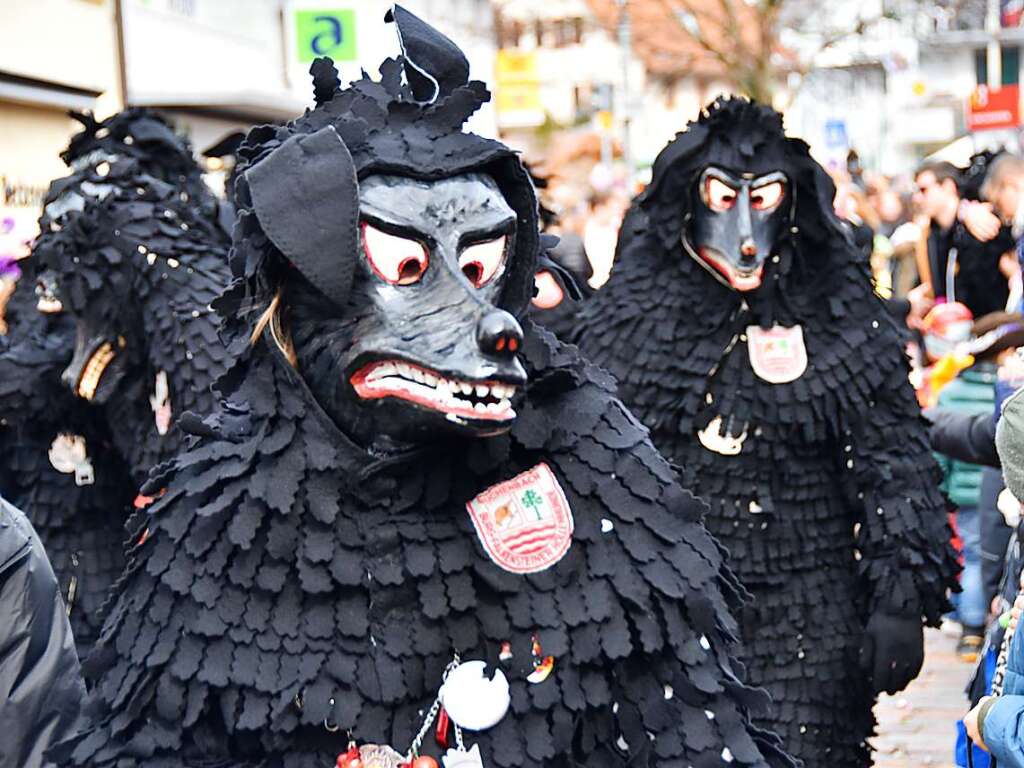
{"points": [[777, 355], [525, 524]]}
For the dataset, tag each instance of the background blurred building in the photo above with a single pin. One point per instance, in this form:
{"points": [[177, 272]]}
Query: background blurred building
{"points": [[55, 55], [929, 75], [575, 81], [213, 67]]}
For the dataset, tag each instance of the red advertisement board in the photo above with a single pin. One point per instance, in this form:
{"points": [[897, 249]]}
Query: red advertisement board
{"points": [[990, 109]]}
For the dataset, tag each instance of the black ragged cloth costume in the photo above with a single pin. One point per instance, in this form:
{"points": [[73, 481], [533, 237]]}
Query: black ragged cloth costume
{"points": [[134, 192], [280, 548], [137, 267], [829, 503], [79, 517], [292, 587]]}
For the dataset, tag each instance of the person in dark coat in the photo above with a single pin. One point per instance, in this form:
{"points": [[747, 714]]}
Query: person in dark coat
{"points": [[963, 436], [744, 331], [383, 548], [41, 689]]}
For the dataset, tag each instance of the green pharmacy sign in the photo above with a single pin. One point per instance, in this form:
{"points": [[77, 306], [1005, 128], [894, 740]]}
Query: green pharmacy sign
{"points": [[325, 32]]}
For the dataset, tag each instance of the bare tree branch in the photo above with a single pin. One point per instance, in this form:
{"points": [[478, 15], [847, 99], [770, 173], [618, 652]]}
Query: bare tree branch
{"points": [[697, 34], [742, 37]]}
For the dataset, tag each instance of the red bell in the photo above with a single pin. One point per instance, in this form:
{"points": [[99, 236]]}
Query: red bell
{"points": [[424, 761], [441, 730]]}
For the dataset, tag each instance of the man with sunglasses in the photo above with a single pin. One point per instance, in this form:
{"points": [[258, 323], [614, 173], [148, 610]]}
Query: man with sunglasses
{"points": [[959, 255]]}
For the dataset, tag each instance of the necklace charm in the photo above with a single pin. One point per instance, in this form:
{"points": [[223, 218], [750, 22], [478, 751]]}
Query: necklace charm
{"points": [[460, 758], [473, 701], [160, 402], [724, 442], [480, 702], [68, 454], [542, 665], [777, 355]]}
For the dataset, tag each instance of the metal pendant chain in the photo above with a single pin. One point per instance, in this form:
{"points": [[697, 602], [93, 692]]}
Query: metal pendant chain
{"points": [[432, 714]]}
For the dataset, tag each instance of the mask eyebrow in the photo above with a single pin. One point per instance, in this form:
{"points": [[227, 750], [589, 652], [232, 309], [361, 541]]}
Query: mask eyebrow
{"points": [[488, 231], [722, 175], [770, 178], [396, 228]]}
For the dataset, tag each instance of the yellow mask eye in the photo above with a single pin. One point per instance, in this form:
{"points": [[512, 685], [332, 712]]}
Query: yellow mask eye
{"points": [[482, 262], [396, 260]]}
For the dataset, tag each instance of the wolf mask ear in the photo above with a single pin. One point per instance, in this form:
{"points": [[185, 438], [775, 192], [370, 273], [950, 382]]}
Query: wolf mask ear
{"points": [[434, 65], [306, 197]]}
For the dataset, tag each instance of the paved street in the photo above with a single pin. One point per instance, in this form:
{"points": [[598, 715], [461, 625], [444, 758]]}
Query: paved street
{"points": [[916, 727]]}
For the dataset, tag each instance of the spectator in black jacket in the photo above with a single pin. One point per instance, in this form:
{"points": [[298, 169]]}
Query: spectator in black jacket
{"points": [[41, 689]]}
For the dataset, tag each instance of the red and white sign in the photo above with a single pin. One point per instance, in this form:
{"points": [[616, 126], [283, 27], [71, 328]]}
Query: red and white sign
{"points": [[525, 524], [989, 109], [777, 355]]}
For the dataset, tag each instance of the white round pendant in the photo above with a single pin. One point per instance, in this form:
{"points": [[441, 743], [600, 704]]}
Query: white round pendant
{"points": [[473, 701]]}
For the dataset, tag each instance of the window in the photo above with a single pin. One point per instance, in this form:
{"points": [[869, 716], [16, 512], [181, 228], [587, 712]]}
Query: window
{"points": [[1010, 65]]}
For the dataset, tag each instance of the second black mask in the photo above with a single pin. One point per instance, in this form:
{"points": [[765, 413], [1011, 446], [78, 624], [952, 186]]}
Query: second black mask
{"points": [[738, 218]]}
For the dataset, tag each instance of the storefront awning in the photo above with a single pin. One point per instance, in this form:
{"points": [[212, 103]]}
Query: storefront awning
{"points": [[246, 106]]}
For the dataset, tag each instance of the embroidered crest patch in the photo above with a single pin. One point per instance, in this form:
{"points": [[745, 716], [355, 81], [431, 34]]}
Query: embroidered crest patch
{"points": [[777, 355], [525, 524]]}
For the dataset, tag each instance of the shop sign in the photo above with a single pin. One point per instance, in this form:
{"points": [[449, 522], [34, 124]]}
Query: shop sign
{"points": [[326, 32], [992, 109]]}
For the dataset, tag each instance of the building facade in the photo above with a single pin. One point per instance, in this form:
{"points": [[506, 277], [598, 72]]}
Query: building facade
{"points": [[213, 67]]}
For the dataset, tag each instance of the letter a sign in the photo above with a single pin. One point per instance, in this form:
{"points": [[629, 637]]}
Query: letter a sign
{"points": [[326, 32]]}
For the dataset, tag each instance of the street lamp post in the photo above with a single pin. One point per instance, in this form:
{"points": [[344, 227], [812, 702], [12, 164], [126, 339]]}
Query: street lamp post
{"points": [[625, 34]]}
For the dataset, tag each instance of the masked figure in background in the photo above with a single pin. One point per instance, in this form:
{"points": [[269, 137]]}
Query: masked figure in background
{"points": [[137, 267], [93, 308], [742, 326], [553, 307], [414, 530]]}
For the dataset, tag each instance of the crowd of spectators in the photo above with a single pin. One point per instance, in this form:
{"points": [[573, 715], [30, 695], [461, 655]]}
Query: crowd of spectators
{"points": [[945, 249]]}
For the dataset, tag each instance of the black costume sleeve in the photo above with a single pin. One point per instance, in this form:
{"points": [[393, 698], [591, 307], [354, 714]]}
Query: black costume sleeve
{"points": [[963, 436], [41, 688], [895, 480], [899, 308]]}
